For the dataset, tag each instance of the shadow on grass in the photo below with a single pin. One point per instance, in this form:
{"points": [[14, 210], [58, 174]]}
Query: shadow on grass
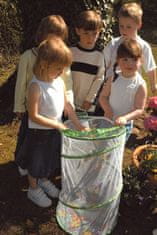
{"points": [[18, 215], [7, 100]]}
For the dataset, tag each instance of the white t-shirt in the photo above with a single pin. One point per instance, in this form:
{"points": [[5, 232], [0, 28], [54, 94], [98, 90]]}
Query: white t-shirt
{"points": [[51, 101], [110, 54], [122, 95]]}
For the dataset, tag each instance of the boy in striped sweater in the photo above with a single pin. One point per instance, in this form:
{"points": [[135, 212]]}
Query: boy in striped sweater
{"points": [[88, 62]]}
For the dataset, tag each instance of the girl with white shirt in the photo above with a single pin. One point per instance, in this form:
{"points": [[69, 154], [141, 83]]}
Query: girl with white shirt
{"points": [[123, 99], [41, 148]]}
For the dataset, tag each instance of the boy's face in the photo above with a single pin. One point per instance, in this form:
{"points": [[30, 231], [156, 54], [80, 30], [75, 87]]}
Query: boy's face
{"points": [[128, 28], [129, 66], [88, 38]]}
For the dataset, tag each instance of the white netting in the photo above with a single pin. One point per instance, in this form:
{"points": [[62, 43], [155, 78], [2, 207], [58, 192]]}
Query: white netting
{"points": [[91, 178]]}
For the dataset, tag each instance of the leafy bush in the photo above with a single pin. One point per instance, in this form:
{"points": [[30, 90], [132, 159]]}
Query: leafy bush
{"points": [[20, 19]]}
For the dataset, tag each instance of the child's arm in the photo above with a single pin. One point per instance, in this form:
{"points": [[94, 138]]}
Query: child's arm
{"points": [[86, 105], [20, 88], [153, 80], [73, 117], [149, 66], [92, 93], [67, 78], [108, 55], [33, 107], [104, 99], [139, 105]]}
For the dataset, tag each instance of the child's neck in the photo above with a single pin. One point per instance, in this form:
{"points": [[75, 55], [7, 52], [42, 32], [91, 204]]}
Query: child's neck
{"points": [[132, 37], [128, 75], [43, 79], [85, 47]]}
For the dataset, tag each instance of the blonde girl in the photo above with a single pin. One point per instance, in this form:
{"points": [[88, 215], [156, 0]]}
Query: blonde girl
{"points": [[52, 24], [40, 151]]}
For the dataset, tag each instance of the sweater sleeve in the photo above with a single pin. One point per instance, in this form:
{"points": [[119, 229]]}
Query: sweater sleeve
{"points": [[67, 78], [24, 76], [20, 87], [96, 82]]}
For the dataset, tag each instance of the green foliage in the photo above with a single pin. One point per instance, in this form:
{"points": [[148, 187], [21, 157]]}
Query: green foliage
{"points": [[150, 13], [148, 161], [20, 19], [10, 34]]}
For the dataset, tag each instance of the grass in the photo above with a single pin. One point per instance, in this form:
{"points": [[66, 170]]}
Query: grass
{"points": [[7, 143], [154, 49]]}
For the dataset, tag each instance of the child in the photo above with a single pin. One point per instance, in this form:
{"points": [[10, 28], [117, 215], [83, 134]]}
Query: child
{"points": [[53, 24], [40, 150], [130, 21], [123, 99], [88, 62]]}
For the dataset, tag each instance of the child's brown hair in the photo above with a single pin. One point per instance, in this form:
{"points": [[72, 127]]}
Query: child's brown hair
{"points": [[132, 10], [52, 24], [52, 51], [129, 48], [89, 20]]}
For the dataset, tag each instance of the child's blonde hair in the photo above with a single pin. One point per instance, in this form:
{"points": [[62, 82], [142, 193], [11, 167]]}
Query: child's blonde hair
{"points": [[89, 20], [129, 48], [132, 10], [52, 51], [52, 24]]}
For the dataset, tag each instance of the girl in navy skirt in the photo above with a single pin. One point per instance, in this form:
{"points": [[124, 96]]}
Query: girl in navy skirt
{"points": [[51, 24], [41, 148]]}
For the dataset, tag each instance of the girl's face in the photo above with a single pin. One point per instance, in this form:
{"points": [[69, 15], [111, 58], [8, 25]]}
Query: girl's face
{"points": [[88, 38], [128, 28], [54, 70], [129, 66]]}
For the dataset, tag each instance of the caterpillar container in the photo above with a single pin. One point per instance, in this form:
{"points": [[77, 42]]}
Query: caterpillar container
{"points": [[91, 177]]}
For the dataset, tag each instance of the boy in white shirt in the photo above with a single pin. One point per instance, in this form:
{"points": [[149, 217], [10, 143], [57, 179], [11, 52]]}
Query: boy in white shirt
{"points": [[130, 21]]}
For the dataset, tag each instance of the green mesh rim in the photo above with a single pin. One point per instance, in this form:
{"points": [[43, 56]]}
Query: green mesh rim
{"points": [[95, 134], [93, 154], [104, 204]]}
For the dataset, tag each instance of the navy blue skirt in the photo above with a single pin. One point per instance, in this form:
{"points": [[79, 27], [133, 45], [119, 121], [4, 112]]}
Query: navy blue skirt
{"points": [[22, 133], [40, 152]]}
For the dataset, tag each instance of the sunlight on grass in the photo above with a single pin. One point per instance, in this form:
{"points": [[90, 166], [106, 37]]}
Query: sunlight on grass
{"points": [[154, 49], [8, 136], [127, 157]]}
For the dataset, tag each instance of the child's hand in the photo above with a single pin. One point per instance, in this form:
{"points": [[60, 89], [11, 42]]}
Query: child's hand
{"points": [[82, 128], [19, 115], [62, 126], [86, 129], [86, 105], [154, 89], [108, 115], [65, 113], [120, 121]]}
